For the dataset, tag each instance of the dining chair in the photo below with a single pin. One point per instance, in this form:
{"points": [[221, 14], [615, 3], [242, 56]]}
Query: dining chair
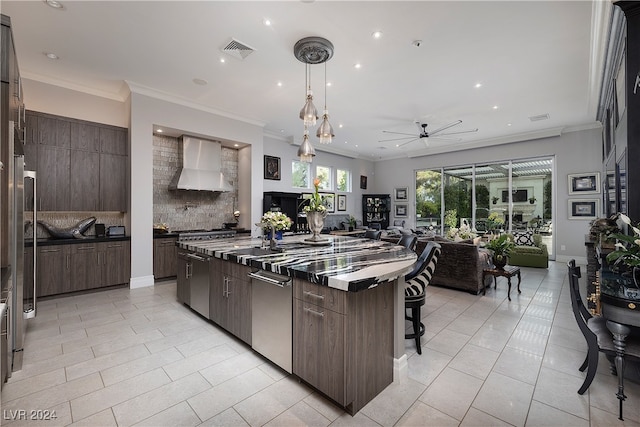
{"points": [[373, 234], [415, 285], [594, 329], [409, 241]]}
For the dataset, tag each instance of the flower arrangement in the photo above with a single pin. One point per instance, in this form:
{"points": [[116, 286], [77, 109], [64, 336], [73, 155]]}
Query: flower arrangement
{"points": [[279, 220], [627, 248], [317, 203], [464, 232], [494, 220]]}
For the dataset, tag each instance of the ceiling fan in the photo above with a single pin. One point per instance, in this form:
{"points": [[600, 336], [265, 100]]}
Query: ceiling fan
{"points": [[422, 133]]}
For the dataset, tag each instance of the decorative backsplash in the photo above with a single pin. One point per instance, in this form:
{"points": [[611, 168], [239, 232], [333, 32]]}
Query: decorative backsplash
{"points": [[69, 219], [190, 210]]}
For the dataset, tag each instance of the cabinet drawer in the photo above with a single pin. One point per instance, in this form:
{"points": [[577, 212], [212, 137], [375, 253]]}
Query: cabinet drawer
{"points": [[83, 248], [236, 270], [323, 296]]}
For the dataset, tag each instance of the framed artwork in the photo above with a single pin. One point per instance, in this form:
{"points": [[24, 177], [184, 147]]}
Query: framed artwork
{"points": [[363, 182], [583, 208], [272, 167], [585, 183], [330, 200], [401, 210], [342, 202], [401, 193]]}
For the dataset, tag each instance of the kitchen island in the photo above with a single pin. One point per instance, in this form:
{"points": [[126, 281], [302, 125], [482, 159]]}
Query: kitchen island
{"points": [[342, 303]]}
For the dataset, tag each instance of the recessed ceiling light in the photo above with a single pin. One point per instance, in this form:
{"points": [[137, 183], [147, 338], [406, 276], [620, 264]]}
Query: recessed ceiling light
{"points": [[54, 4], [159, 130], [356, 145], [358, 65], [329, 84], [267, 22], [222, 60], [508, 124], [50, 55], [478, 85], [279, 84], [200, 82], [376, 34], [346, 142], [495, 107], [236, 145], [281, 130], [340, 125]]}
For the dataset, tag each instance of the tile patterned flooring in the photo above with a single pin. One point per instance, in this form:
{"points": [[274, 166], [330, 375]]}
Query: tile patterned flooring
{"points": [[138, 357]]}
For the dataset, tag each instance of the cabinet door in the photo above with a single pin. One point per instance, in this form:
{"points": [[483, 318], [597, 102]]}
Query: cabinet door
{"points": [[319, 348], [115, 262], [218, 293], [85, 181], [85, 136], [52, 270], [113, 141], [84, 267], [53, 177], [54, 132], [164, 257], [113, 182], [239, 302]]}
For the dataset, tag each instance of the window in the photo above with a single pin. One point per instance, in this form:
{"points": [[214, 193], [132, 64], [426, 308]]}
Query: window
{"points": [[323, 173], [343, 180], [300, 172]]}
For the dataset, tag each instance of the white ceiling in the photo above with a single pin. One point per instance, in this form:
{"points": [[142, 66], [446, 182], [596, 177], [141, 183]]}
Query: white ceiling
{"points": [[532, 58]]}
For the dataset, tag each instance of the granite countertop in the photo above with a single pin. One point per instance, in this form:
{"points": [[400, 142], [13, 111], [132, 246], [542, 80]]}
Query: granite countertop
{"points": [[89, 239], [348, 263]]}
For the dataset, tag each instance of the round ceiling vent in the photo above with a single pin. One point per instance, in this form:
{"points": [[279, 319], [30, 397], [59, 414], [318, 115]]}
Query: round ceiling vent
{"points": [[313, 50]]}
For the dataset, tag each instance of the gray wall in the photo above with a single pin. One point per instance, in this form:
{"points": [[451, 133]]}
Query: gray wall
{"points": [[573, 152]]}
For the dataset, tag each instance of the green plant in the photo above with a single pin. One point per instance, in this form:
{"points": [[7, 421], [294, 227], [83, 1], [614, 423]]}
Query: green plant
{"points": [[352, 221], [494, 220], [532, 199], [279, 220], [500, 246], [627, 247], [317, 203], [451, 218], [494, 199]]}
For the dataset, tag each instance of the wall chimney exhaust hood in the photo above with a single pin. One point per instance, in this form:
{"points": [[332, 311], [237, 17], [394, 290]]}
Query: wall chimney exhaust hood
{"points": [[201, 166]]}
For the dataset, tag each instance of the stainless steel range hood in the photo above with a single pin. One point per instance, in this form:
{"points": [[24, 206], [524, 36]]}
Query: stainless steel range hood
{"points": [[201, 166]]}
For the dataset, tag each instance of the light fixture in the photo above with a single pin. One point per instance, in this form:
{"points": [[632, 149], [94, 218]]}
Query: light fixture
{"points": [[312, 51], [325, 131], [306, 152], [51, 55], [54, 4]]}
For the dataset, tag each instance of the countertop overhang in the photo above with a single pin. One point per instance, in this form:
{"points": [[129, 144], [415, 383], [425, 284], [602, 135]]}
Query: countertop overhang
{"points": [[347, 263]]}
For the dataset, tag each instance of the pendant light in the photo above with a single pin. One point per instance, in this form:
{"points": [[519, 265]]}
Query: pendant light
{"points": [[306, 152], [325, 131], [308, 113]]}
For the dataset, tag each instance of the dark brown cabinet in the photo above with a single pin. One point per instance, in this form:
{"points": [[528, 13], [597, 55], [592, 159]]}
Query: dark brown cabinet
{"points": [[52, 276], [114, 259], [165, 255], [343, 341], [184, 278], [230, 298], [82, 166], [86, 273]]}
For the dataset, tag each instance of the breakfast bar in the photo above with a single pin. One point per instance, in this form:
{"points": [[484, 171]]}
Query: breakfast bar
{"points": [[331, 313]]}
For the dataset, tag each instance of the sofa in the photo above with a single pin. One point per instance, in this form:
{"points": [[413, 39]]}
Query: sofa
{"points": [[529, 251], [459, 266]]}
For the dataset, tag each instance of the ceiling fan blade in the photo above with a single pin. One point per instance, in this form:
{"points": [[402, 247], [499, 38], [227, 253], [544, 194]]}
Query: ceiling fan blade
{"points": [[400, 133], [397, 139], [405, 143], [462, 131], [457, 122]]}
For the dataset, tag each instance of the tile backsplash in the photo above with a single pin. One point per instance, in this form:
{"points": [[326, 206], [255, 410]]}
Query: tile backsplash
{"points": [[190, 210]]}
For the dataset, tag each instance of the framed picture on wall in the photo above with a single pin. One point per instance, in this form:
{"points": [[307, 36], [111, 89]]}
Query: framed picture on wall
{"points": [[272, 167], [363, 182], [401, 211], [342, 202], [585, 183], [583, 208], [401, 194], [330, 200]]}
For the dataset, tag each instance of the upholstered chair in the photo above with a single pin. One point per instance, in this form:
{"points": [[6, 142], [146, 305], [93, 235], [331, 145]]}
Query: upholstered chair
{"points": [[373, 234]]}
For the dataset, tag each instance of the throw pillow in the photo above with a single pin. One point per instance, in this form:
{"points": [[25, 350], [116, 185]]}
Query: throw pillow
{"points": [[523, 238]]}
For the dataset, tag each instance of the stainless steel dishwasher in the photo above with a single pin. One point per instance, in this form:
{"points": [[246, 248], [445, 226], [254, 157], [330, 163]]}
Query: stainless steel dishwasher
{"points": [[199, 292], [272, 317]]}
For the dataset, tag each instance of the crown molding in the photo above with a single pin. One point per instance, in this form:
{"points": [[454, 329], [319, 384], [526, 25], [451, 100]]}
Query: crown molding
{"points": [[74, 86]]}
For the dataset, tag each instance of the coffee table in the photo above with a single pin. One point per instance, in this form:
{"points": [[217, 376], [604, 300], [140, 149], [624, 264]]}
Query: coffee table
{"points": [[508, 271]]}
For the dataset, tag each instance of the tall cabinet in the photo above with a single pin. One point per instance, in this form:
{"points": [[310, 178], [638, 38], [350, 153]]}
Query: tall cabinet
{"points": [[375, 210]]}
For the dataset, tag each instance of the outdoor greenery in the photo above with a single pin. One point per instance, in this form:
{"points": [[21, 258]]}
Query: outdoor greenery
{"points": [[300, 174]]}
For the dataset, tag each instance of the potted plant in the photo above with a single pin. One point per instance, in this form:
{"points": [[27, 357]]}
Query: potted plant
{"points": [[352, 223], [532, 200], [494, 199], [316, 210], [278, 220], [627, 251], [494, 221], [500, 248]]}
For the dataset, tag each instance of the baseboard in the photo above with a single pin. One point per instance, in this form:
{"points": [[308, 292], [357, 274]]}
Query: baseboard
{"points": [[400, 368], [141, 282]]}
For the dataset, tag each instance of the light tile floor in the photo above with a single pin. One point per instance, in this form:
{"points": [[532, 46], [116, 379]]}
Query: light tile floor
{"points": [[138, 357]]}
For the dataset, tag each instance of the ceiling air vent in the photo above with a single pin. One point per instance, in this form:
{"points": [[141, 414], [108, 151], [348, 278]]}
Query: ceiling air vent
{"points": [[539, 117], [237, 49]]}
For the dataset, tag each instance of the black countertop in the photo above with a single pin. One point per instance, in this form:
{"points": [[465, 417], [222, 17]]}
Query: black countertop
{"points": [[346, 263], [91, 239]]}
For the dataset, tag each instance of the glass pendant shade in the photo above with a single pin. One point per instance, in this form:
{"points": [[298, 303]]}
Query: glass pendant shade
{"points": [[306, 152], [309, 114], [325, 131]]}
